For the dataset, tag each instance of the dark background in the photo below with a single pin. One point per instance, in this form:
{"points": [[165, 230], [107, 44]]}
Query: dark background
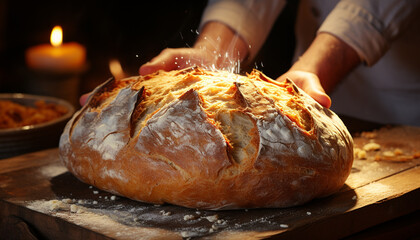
{"points": [[132, 32]]}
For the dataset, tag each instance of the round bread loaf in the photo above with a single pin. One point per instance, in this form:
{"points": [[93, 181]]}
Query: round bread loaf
{"points": [[208, 140]]}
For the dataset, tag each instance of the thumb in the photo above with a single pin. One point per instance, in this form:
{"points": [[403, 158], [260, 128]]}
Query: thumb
{"points": [[320, 96], [310, 84]]}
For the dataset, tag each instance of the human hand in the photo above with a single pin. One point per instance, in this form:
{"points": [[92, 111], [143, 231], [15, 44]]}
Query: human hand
{"points": [[217, 47], [83, 99], [310, 83], [322, 66], [178, 58]]}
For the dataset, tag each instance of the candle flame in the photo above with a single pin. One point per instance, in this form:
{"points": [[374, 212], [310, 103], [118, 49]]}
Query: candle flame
{"points": [[56, 36]]}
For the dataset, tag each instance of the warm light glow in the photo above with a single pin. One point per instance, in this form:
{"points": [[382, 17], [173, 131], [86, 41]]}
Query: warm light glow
{"points": [[116, 69], [56, 36]]}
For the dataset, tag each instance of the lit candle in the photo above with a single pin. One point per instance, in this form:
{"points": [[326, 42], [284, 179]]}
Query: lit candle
{"points": [[56, 57]]}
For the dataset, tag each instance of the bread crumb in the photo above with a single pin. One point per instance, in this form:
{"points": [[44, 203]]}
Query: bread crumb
{"points": [[67, 200], [113, 198], [164, 213], [95, 202], [74, 208], [388, 154], [55, 205], [189, 217], [398, 152], [284, 225], [372, 146], [212, 218], [80, 210], [95, 192], [308, 213], [359, 153], [354, 197]]}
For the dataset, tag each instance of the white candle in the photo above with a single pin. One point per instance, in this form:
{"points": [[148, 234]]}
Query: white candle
{"points": [[56, 57]]}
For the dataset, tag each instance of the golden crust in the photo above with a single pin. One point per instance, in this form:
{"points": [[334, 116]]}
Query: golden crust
{"points": [[209, 140]]}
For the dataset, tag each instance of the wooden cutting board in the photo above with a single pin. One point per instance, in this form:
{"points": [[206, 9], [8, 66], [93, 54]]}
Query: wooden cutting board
{"points": [[39, 198]]}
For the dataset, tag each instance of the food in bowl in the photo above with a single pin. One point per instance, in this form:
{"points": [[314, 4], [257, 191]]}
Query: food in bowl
{"points": [[13, 115]]}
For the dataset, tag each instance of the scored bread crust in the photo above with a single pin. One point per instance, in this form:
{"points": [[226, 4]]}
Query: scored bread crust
{"points": [[208, 140]]}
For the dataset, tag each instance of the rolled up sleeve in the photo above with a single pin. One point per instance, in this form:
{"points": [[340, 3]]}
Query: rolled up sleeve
{"points": [[251, 19], [370, 26]]}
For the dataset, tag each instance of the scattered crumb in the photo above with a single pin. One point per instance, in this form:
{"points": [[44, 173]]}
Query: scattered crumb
{"points": [[308, 213], [371, 147], [113, 198], [95, 192], [67, 200], [388, 154], [212, 218], [359, 153], [284, 225], [95, 202], [220, 223], [74, 208], [354, 197], [55, 205], [164, 213], [189, 217], [398, 152]]}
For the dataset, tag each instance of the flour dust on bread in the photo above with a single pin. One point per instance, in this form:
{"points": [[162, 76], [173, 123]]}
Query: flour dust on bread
{"points": [[208, 140]]}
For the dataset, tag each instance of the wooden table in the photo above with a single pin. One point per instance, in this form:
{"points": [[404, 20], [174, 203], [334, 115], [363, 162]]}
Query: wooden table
{"points": [[40, 199]]}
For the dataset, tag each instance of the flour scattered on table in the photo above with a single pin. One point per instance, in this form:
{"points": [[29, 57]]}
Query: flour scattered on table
{"points": [[85, 217], [52, 170]]}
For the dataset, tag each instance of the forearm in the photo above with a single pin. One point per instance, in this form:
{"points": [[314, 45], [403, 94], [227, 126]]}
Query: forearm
{"points": [[223, 43], [329, 58]]}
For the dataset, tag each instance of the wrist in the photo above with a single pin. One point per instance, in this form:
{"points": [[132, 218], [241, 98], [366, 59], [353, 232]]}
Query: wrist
{"points": [[329, 58], [222, 44]]}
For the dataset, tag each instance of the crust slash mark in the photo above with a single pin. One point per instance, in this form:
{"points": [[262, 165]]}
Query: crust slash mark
{"points": [[97, 96], [294, 109], [137, 112], [167, 132], [238, 96], [92, 101]]}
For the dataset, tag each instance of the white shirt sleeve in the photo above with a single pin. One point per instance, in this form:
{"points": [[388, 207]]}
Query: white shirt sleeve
{"points": [[370, 26], [251, 19]]}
